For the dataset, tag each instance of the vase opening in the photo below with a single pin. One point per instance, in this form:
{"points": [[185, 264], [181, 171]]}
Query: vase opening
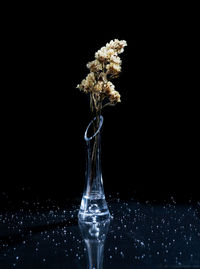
{"points": [[89, 133]]}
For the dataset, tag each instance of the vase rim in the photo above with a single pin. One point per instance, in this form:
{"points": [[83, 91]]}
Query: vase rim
{"points": [[98, 130]]}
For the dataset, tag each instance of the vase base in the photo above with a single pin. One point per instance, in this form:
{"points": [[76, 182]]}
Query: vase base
{"points": [[93, 209]]}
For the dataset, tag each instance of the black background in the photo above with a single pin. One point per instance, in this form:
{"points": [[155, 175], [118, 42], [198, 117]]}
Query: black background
{"points": [[150, 140]]}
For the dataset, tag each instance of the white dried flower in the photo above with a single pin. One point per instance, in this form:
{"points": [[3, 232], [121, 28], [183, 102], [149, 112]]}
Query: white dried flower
{"points": [[110, 54], [114, 97], [94, 66], [115, 59], [113, 68], [98, 87], [108, 88], [88, 83], [116, 45], [101, 54]]}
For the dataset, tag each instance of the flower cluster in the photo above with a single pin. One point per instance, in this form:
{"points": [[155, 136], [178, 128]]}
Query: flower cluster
{"points": [[107, 58], [107, 65]]}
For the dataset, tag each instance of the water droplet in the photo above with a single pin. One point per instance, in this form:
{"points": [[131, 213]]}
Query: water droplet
{"points": [[122, 254]]}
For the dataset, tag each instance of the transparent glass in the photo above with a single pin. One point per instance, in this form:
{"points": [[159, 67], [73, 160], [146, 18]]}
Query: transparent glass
{"points": [[94, 235], [93, 205]]}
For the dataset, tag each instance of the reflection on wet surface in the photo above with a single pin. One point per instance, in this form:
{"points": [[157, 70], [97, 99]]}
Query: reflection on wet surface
{"points": [[140, 235], [94, 235]]}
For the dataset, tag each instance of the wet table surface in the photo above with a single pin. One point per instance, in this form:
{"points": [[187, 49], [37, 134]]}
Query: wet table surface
{"points": [[140, 235]]}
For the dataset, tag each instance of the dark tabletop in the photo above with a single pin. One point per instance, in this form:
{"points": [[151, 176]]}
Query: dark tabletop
{"points": [[140, 235]]}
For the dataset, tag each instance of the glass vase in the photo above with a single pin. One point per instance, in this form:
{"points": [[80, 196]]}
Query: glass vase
{"points": [[93, 204]]}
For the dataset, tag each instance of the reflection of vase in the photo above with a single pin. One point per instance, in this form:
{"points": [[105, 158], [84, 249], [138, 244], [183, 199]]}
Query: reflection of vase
{"points": [[94, 235], [93, 205]]}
